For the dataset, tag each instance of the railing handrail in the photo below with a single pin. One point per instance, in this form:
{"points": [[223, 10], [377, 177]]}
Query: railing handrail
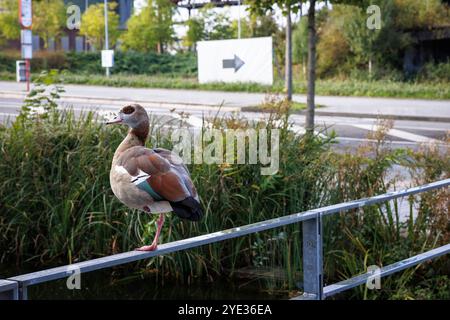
{"points": [[131, 256]]}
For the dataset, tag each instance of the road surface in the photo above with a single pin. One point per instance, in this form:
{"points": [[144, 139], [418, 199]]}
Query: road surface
{"points": [[350, 131], [332, 105]]}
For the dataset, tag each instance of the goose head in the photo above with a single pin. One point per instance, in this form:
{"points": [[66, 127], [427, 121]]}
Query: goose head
{"points": [[134, 116]]}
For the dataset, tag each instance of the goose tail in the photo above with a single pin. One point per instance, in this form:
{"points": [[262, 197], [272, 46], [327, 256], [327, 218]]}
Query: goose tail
{"points": [[188, 208]]}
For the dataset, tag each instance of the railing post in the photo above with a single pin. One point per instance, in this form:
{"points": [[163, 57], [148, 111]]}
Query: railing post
{"points": [[312, 258], [23, 292], [9, 290]]}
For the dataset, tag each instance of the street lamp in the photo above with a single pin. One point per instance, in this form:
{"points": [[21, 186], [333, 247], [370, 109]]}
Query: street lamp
{"points": [[106, 32], [239, 19]]}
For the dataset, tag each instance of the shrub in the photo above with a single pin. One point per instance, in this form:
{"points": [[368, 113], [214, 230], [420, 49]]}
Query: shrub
{"points": [[438, 72], [90, 63]]}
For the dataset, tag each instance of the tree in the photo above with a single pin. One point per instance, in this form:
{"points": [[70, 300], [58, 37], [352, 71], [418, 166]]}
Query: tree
{"points": [[311, 86], [295, 6], [9, 23], [152, 29], [256, 26], [289, 6], [195, 32], [49, 17], [217, 24], [300, 43], [349, 38], [93, 24], [288, 63]]}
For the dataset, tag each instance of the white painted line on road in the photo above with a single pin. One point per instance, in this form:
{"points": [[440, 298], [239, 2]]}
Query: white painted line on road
{"points": [[301, 130], [398, 133], [374, 141], [423, 128]]}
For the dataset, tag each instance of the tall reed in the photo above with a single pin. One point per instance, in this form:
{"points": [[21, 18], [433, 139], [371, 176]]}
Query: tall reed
{"points": [[57, 206]]}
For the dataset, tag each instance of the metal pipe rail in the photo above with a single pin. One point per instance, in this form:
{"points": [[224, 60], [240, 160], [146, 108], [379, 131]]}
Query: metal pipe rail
{"points": [[16, 287]]}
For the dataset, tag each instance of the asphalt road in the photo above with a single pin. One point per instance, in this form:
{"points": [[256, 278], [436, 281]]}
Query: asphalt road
{"points": [[350, 131], [331, 104]]}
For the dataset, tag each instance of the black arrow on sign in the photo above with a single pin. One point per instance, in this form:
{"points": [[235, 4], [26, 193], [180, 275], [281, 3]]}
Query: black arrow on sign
{"points": [[235, 63]]}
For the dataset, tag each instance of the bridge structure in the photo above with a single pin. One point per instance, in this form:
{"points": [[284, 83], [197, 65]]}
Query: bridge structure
{"points": [[15, 288]]}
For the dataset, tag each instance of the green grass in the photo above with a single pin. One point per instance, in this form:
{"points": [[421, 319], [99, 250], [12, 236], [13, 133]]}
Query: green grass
{"points": [[276, 104], [333, 87]]}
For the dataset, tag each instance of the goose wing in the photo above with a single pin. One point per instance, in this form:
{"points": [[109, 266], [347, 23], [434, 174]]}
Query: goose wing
{"points": [[167, 175]]}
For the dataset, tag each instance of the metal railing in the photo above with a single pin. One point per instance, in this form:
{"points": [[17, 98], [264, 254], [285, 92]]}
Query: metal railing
{"points": [[16, 287]]}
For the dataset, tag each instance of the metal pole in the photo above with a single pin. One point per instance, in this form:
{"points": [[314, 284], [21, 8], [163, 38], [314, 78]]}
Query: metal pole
{"points": [[27, 73], [86, 5], [23, 292], [106, 32], [312, 258], [288, 64], [239, 19]]}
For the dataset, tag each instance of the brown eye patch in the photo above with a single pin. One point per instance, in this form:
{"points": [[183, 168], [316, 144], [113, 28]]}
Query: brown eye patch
{"points": [[128, 110]]}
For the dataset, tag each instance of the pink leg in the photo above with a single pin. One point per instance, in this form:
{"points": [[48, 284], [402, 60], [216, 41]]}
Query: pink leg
{"points": [[154, 244]]}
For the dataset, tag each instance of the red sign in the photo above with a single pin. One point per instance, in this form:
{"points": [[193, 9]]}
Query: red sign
{"points": [[25, 13]]}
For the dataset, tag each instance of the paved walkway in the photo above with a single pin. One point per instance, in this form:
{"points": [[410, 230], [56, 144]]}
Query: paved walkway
{"points": [[339, 106]]}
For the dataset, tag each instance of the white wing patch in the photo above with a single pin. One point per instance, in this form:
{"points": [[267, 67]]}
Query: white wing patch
{"points": [[137, 179], [121, 170]]}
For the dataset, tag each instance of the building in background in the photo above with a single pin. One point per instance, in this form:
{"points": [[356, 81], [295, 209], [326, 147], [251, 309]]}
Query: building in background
{"points": [[73, 41]]}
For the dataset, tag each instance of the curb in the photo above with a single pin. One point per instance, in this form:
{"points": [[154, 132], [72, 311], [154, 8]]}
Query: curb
{"points": [[384, 116], [360, 115], [151, 104]]}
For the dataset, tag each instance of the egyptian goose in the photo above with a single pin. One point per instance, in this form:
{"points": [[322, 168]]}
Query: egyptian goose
{"points": [[153, 180]]}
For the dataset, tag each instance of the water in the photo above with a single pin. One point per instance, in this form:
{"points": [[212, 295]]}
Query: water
{"points": [[125, 284]]}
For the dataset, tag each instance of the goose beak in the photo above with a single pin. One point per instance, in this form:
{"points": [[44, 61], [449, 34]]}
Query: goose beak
{"points": [[116, 119]]}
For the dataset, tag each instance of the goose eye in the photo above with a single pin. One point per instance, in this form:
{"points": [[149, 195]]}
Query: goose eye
{"points": [[128, 110]]}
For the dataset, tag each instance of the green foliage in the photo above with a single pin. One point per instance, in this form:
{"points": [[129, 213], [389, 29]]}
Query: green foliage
{"points": [[49, 18], [217, 23], [195, 32], [414, 14], [300, 42], [439, 72], [346, 44], [45, 95], [256, 26], [183, 64], [9, 23], [152, 29], [93, 25], [262, 6]]}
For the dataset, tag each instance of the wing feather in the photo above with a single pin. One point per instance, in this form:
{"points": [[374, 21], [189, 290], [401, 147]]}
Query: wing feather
{"points": [[169, 177]]}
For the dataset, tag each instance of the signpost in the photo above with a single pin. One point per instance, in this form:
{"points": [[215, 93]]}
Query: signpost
{"points": [[26, 14], [107, 59], [26, 37], [107, 55]]}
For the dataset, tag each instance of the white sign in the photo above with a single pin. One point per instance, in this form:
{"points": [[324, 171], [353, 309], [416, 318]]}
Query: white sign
{"points": [[26, 41], [21, 71], [107, 58], [26, 36], [240, 60], [26, 14], [27, 51]]}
